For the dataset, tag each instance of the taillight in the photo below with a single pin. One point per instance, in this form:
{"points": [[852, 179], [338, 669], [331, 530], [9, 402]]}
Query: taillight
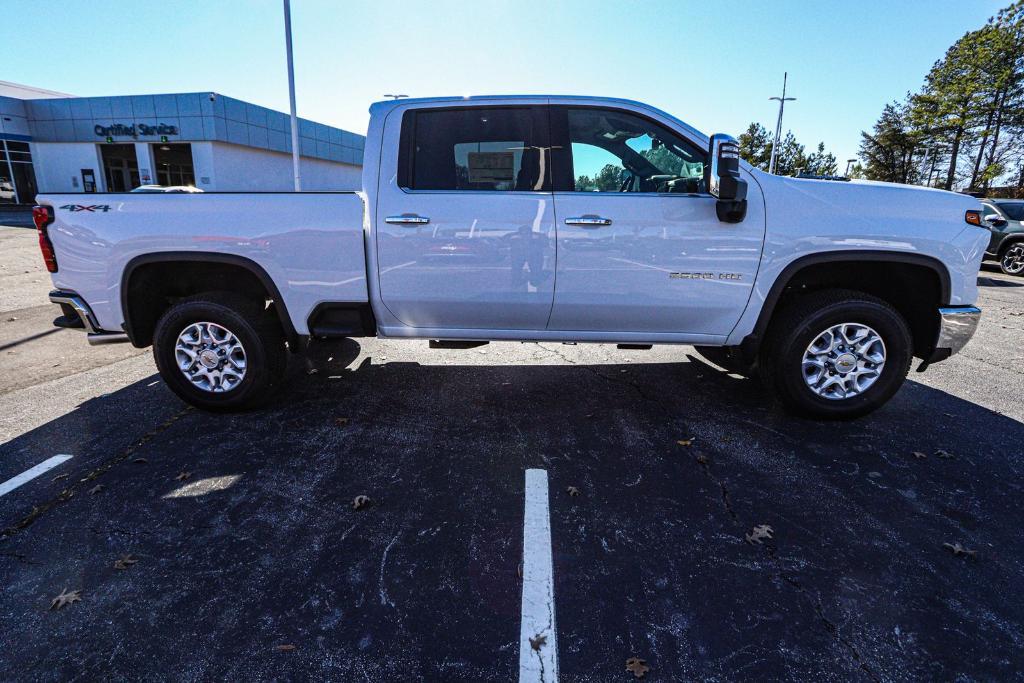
{"points": [[42, 217], [973, 217]]}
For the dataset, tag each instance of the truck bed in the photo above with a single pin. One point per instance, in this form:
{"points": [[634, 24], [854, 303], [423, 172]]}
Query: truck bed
{"points": [[311, 245]]}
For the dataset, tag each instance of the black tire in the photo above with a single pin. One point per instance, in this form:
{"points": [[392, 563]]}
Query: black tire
{"points": [[1011, 258], [258, 331], [725, 357], [795, 327]]}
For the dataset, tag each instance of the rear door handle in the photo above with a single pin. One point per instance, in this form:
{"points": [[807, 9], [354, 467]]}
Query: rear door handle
{"points": [[407, 219], [589, 221]]}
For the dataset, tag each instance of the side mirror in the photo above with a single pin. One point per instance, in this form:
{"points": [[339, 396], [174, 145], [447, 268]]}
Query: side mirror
{"points": [[722, 178], [997, 222]]}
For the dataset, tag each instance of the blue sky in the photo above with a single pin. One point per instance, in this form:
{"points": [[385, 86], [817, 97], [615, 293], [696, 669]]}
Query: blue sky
{"points": [[711, 64]]}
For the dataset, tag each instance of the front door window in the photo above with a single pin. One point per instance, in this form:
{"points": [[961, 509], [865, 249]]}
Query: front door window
{"points": [[615, 151]]}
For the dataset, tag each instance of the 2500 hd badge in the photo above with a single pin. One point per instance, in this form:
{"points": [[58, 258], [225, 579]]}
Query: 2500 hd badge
{"points": [[706, 276]]}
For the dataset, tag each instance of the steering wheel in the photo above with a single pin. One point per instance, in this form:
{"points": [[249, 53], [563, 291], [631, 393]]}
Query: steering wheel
{"points": [[626, 182]]}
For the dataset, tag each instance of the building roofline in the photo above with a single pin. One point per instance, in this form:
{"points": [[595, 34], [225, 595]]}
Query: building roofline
{"points": [[41, 93]]}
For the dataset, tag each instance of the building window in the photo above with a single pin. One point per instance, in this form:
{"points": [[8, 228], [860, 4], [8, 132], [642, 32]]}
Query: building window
{"points": [[17, 178], [174, 165]]}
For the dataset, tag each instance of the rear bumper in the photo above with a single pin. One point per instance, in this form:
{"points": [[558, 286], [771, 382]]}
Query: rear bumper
{"points": [[76, 314], [957, 324]]}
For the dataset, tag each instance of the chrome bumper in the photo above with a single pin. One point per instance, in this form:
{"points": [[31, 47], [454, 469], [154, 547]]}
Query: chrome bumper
{"points": [[94, 333], [957, 326]]}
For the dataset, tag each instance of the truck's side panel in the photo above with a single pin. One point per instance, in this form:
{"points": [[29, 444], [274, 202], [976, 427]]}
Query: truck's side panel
{"points": [[310, 245]]}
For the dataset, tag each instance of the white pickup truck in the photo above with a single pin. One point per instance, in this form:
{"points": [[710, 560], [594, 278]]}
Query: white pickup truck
{"points": [[558, 219]]}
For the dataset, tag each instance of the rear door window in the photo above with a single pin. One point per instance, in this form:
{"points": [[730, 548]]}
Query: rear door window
{"points": [[471, 149]]}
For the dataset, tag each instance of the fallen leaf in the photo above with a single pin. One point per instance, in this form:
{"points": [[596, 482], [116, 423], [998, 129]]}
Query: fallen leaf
{"points": [[519, 570], [140, 461], [96, 489], [124, 562], [60, 476], [341, 421], [66, 598], [702, 459], [572, 491], [183, 475], [685, 442], [945, 455], [760, 532], [636, 666], [959, 550], [537, 642], [360, 502], [285, 648], [312, 371], [919, 455]]}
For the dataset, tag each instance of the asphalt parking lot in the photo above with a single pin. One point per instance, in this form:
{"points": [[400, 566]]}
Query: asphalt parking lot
{"points": [[227, 547]]}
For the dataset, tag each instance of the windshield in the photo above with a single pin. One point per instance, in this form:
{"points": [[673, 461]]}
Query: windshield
{"points": [[1013, 210]]}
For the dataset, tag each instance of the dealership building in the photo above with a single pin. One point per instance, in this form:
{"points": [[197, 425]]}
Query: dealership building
{"points": [[52, 142]]}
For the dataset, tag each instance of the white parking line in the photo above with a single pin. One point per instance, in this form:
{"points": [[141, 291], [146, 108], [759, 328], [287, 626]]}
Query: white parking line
{"points": [[538, 651], [29, 475]]}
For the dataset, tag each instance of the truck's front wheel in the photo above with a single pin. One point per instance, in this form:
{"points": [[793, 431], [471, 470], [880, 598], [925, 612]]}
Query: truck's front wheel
{"points": [[836, 354], [220, 352]]}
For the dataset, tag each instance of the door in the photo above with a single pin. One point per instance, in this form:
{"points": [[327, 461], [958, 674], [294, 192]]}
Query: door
{"points": [[120, 167], [465, 227], [640, 247]]}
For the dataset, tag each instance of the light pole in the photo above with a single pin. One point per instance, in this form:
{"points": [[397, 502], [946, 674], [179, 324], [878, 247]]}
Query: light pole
{"points": [[291, 94], [849, 163], [394, 97], [778, 125]]}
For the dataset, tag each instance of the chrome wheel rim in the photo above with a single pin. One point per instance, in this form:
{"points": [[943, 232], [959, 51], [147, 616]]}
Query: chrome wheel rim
{"points": [[1013, 259], [843, 361], [211, 357]]}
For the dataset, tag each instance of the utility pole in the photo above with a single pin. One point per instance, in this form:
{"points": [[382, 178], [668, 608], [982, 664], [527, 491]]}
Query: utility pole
{"points": [[849, 163], [291, 94], [778, 125]]}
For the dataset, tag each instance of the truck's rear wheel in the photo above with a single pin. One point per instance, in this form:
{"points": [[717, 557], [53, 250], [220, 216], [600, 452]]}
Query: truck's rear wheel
{"points": [[220, 352], [836, 354]]}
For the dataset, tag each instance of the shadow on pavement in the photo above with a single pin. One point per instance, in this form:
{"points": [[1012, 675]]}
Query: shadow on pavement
{"points": [[259, 547]]}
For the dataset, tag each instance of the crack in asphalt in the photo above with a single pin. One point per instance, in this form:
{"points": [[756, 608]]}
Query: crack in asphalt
{"points": [[830, 626], [66, 495]]}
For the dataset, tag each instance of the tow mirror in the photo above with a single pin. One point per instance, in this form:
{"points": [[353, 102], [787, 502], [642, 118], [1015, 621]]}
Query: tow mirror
{"points": [[723, 180]]}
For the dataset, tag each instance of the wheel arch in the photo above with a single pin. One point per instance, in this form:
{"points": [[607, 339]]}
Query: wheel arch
{"points": [[136, 307], [1008, 242], [861, 270]]}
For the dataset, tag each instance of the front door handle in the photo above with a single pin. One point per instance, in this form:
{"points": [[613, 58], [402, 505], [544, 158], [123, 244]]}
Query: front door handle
{"points": [[589, 221], [407, 219]]}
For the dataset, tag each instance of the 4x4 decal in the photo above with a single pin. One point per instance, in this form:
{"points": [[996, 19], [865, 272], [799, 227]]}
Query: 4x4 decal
{"points": [[90, 207]]}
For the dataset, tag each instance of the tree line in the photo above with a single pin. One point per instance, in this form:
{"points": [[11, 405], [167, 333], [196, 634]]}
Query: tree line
{"points": [[964, 128]]}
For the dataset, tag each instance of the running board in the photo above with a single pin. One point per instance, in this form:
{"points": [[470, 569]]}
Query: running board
{"points": [[455, 344], [99, 338]]}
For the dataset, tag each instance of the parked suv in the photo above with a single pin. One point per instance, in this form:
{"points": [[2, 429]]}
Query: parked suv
{"points": [[1005, 218]]}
